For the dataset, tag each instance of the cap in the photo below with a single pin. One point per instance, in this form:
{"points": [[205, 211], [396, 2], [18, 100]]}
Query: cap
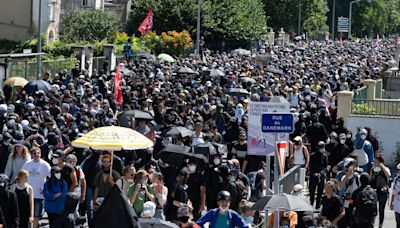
{"points": [[363, 132], [342, 136], [58, 154], [297, 188], [298, 139]]}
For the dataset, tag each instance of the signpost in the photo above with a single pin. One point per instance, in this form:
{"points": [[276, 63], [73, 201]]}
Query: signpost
{"points": [[343, 24], [277, 123]]}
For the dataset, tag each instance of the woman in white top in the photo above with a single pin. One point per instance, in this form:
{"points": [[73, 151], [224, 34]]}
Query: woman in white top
{"points": [[126, 180], [160, 194], [17, 158], [395, 200], [299, 153]]}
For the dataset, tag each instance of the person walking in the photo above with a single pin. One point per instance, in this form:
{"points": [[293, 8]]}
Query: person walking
{"points": [[24, 194], [332, 205], [395, 199], [365, 203], [318, 170], [299, 154], [380, 183], [38, 170], [54, 192], [8, 203], [17, 158], [222, 217]]}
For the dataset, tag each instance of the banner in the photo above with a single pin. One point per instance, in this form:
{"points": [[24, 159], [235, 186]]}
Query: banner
{"points": [[259, 143], [147, 23]]}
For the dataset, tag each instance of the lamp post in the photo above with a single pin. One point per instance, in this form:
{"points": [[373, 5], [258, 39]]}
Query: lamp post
{"points": [[333, 19], [350, 12], [198, 28], [39, 47], [299, 19]]}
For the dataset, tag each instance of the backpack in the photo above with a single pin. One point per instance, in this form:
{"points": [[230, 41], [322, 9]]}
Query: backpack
{"points": [[366, 204]]}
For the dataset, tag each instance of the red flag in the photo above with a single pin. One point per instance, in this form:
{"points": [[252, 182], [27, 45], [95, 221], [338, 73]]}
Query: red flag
{"points": [[147, 23], [117, 87]]}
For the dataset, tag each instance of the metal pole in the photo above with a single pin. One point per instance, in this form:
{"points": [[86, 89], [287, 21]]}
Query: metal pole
{"points": [[39, 49], [268, 183], [276, 182], [299, 20], [333, 19], [198, 28], [350, 9]]}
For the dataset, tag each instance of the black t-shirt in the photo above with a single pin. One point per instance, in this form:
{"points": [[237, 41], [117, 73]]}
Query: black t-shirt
{"points": [[194, 182], [331, 207], [66, 174], [180, 194]]}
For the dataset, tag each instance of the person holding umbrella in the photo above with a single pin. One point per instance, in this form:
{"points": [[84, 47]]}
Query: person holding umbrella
{"points": [[222, 217]]}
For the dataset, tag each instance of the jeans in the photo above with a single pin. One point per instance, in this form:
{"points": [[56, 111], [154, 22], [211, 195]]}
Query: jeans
{"points": [[314, 183], [382, 199], [159, 214], [89, 203], [397, 215]]}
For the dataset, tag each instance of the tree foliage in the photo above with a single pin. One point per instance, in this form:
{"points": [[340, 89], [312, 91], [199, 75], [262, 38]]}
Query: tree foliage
{"points": [[227, 19], [88, 25]]}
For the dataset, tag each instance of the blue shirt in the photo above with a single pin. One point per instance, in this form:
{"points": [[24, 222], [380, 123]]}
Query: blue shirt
{"points": [[212, 217]]}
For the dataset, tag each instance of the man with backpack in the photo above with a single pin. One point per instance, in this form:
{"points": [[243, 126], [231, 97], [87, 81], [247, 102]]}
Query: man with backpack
{"points": [[223, 217], [365, 203]]}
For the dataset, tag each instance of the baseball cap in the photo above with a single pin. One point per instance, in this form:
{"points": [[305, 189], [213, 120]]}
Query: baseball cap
{"points": [[233, 161], [58, 154]]}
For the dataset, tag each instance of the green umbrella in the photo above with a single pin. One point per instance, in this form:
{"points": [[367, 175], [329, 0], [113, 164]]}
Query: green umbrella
{"points": [[166, 57]]}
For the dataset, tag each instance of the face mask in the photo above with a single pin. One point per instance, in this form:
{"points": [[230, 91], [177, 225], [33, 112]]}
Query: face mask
{"points": [[322, 150], [57, 175], [192, 168], [348, 136], [217, 161], [223, 210], [342, 141], [250, 220], [54, 161], [363, 137], [184, 219]]}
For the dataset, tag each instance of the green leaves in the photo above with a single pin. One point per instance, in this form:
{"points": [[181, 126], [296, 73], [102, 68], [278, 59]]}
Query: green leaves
{"points": [[88, 25]]}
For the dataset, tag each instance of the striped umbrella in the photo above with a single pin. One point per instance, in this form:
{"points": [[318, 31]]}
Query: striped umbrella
{"points": [[113, 138]]}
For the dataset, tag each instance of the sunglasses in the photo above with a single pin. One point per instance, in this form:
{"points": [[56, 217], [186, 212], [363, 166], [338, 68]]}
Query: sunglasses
{"points": [[105, 162], [36, 153], [57, 171]]}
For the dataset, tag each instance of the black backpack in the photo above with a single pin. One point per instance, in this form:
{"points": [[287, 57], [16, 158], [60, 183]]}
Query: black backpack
{"points": [[366, 204]]}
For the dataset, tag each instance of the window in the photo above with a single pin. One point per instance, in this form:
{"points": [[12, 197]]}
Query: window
{"points": [[52, 5]]}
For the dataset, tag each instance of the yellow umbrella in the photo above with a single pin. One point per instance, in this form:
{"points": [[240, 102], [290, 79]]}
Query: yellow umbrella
{"points": [[16, 81], [113, 138]]}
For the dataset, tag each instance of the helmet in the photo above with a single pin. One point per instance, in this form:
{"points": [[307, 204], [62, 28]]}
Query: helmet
{"points": [[223, 195]]}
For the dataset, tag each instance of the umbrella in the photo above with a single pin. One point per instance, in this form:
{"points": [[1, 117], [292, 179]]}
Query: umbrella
{"points": [[353, 65], [205, 149], [185, 70], [156, 223], [137, 114], [37, 85], [221, 148], [147, 56], [283, 202], [113, 138], [274, 70], [181, 132], [214, 73], [173, 154], [239, 90], [16, 81], [247, 79], [166, 58], [241, 52]]}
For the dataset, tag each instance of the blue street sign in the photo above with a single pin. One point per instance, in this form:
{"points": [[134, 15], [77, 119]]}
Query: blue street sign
{"points": [[277, 123]]}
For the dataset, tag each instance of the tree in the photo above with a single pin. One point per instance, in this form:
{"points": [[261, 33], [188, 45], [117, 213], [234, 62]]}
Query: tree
{"points": [[220, 19], [88, 25], [315, 19]]}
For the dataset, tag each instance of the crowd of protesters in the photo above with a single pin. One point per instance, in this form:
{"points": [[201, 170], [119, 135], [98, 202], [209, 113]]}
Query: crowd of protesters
{"points": [[42, 170]]}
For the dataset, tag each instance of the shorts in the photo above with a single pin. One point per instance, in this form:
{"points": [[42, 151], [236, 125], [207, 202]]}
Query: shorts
{"points": [[38, 208]]}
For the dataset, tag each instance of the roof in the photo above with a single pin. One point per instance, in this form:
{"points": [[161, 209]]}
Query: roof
{"points": [[21, 55]]}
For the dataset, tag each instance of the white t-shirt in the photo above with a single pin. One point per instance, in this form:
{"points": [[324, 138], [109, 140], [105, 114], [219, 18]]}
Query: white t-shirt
{"points": [[38, 172], [396, 193]]}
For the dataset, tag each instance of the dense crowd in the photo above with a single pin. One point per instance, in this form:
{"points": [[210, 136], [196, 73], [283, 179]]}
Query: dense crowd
{"points": [[42, 171]]}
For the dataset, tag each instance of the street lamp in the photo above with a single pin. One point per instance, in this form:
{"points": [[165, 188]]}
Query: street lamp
{"points": [[350, 12], [39, 47], [333, 19], [198, 28]]}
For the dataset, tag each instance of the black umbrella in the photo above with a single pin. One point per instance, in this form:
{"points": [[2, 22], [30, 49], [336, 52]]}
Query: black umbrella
{"points": [[239, 90], [214, 73], [185, 70], [206, 149], [37, 85], [137, 114], [178, 132], [247, 79], [283, 202], [274, 70], [147, 56], [156, 223], [174, 154]]}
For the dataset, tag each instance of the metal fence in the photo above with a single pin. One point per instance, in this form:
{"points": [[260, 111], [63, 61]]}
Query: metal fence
{"points": [[378, 89], [360, 94], [381, 107]]}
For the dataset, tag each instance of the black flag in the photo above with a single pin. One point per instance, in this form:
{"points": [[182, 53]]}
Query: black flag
{"points": [[115, 212]]}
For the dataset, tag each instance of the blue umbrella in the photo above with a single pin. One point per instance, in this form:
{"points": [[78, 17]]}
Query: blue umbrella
{"points": [[37, 85]]}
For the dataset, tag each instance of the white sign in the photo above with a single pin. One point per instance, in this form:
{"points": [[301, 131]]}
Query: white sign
{"points": [[343, 24], [259, 143]]}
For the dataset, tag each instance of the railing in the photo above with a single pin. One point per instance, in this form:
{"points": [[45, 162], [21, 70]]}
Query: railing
{"points": [[381, 107], [98, 63], [360, 94], [378, 89]]}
